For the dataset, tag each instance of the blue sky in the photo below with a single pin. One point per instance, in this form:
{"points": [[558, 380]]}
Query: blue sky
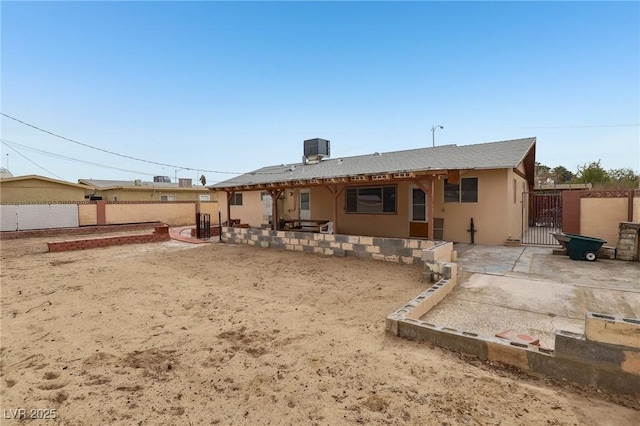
{"points": [[234, 86]]}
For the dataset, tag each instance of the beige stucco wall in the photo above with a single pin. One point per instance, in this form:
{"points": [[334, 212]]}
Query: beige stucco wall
{"points": [[600, 217], [516, 186], [173, 214], [210, 207], [148, 194], [249, 212], [636, 209], [495, 215], [379, 225], [87, 214], [36, 190], [491, 217]]}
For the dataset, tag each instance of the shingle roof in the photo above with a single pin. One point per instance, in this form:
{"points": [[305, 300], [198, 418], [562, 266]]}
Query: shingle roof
{"points": [[492, 155]]}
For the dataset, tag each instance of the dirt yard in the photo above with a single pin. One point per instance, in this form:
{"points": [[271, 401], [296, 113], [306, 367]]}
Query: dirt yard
{"points": [[174, 333]]}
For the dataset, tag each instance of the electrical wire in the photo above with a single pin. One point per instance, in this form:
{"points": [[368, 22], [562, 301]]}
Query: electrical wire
{"points": [[23, 156], [124, 155], [52, 154]]}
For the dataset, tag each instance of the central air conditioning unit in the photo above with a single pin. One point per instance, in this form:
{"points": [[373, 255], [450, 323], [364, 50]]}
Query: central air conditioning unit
{"points": [[163, 179], [184, 183], [315, 150]]}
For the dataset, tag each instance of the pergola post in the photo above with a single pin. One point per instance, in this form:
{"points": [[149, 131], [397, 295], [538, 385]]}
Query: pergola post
{"points": [[336, 191], [275, 194], [230, 195]]}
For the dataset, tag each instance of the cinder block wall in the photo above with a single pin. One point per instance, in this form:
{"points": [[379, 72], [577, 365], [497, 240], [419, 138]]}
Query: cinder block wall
{"points": [[398, 250]]}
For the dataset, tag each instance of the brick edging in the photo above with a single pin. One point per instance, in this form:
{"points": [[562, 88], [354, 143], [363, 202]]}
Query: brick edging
{"points": [[83, 230]]}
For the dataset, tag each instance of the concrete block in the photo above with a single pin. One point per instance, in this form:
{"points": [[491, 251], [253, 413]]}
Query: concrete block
{"points": [[290, 247], [264, 244], [329, 237], [616, 331], [342, 238], [298, 248], [407, 260], [413, 244], [507, 354], [366, 240], [392, 258], [347, 246], [378, 256], [417, 253], [372, 249], [307, 249], [335, 245], [631, 363], [251, 242], [318, 250], [339, 252], [353, 239]]}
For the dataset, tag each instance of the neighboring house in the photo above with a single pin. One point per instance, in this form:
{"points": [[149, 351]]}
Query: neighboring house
{"points": [[40, 189], [138, 190], [423, 193]]}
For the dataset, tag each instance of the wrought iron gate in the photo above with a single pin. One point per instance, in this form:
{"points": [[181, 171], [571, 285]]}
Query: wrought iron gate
{"points": [[541, 217], [203, 225]]}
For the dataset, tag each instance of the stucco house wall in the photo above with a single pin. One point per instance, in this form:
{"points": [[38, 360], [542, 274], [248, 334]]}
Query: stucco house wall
{"points": [[35, 189], [250, 212]]}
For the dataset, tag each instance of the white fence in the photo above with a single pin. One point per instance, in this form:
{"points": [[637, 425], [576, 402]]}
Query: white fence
{"points": [[20, 217]]}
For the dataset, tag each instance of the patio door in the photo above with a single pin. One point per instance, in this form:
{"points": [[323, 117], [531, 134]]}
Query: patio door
{"points": [[418, 216], [305, 204]]}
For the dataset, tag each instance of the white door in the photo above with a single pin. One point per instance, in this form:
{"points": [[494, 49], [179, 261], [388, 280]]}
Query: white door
{"points": [[305, 204]]}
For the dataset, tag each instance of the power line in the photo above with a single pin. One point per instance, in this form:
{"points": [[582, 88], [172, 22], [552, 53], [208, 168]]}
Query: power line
{"points": [[124, 155], [51, 154], [18, 152]]}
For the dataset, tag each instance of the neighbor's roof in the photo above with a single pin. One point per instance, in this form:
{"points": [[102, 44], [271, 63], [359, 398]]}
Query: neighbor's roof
{"points": [[43, 178], [493, 155], [131, 184]]}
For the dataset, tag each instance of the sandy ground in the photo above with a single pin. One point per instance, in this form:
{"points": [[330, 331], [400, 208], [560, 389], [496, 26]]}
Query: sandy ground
{"points": [[181, 334]]}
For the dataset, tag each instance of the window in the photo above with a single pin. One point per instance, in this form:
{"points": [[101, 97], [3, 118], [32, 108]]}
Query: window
{"points": [[205, 197], [236, 199], [466, 191], [167, 198], [368, 199]]}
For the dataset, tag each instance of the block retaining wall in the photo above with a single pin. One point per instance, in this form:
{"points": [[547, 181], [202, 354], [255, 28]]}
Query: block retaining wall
{"points": [[406, 251], [161, 233], [591, 359]]}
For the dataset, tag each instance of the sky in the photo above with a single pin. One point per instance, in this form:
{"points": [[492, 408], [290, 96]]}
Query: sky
{"points": [[220, 88]]}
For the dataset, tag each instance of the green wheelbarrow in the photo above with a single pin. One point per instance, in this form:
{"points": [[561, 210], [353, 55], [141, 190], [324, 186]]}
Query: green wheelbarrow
{"points": [[579, 247]]}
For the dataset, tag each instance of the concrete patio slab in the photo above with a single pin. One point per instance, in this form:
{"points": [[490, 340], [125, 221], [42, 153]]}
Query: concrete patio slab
{"points": [[530, 290]]}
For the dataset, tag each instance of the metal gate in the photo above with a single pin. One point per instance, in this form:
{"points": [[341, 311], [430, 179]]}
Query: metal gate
{"points": [[541, 217], [203, 226]]}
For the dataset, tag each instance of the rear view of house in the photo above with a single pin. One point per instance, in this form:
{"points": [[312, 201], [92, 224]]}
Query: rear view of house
{"points": [[423, 193]]}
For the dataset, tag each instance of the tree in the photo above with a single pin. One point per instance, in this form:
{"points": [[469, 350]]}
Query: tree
{"points": [[203, 180], [561, 174], [593, 173], [542, 173], [624, 178]]}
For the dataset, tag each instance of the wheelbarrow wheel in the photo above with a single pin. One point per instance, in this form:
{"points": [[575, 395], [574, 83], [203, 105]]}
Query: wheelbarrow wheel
{"points": [[590, 256]]}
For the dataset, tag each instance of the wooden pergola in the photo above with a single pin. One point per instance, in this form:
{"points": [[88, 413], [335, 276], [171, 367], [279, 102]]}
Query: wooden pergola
{"points": [[424, 180]]}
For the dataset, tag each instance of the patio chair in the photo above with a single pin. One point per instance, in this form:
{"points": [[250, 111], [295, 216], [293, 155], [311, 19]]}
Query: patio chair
{"points": [[327, 228]]}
